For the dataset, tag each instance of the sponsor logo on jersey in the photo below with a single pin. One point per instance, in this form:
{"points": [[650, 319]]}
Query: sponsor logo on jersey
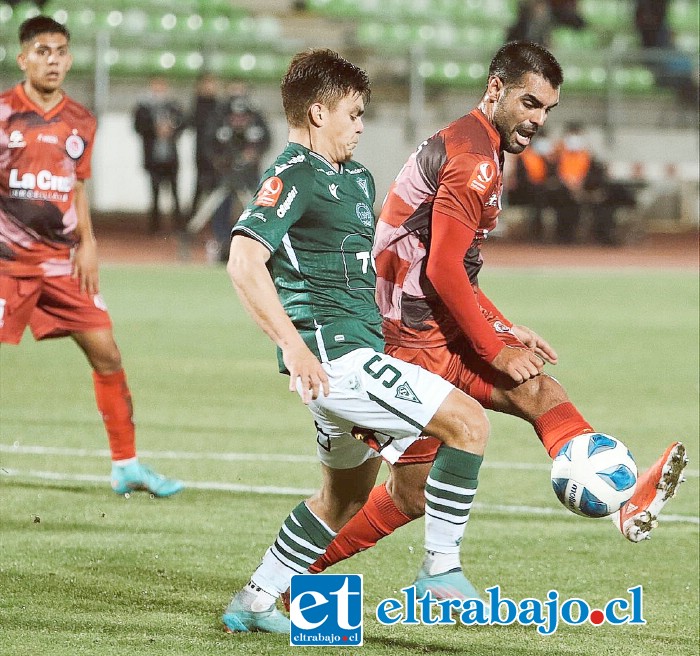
{"points": [[47, 138], [481, 177], [75, 146], [270, 192], [360, 169], [363, 185], [364, 213], [284, 207], [16, 140], [297, 159], [44, 180], [333, 188], [2, 311]]}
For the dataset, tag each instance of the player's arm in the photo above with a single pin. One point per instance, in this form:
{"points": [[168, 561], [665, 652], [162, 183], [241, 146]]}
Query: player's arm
{"points": [[85, 254], [252, 281], [450, 240], [526, 335]]}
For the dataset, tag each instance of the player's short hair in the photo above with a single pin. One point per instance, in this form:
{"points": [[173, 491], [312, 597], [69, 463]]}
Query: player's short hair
{"points": [[319, 75], [517, 58], [36, 25]]}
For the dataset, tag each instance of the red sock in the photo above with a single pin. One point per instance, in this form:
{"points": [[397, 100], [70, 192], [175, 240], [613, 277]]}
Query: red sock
{"points": [[114, 403], [378, 518], [558, 425]]}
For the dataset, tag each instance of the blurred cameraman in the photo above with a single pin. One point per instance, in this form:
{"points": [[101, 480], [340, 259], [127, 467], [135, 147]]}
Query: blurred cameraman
{"points": [[240, 142]]}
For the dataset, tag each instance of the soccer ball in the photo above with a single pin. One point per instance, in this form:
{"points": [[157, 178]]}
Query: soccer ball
{"points": [[594, 475]]}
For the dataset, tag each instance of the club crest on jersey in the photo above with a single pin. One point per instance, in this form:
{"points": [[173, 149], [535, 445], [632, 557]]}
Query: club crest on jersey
{"points": [[364, 213], [16, 140], [75, 146], [270, 192], [481, 177]]}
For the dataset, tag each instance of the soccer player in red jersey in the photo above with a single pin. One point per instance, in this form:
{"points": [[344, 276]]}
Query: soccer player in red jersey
{"points": [[438, 211], [48, 255]]}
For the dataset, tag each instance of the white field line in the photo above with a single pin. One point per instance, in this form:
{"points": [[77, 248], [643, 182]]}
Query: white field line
{"points": [[301, 492], [19, 449]]}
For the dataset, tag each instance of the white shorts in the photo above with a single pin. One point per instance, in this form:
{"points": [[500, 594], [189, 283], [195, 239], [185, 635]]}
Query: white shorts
{"points": [[374, 399]]}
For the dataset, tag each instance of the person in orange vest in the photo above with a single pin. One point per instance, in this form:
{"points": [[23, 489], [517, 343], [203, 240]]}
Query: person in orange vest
{"points": [[586, 188], [536, 184]]}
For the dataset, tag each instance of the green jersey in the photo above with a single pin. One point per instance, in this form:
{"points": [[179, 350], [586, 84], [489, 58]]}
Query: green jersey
{"points": [[318, 223]]}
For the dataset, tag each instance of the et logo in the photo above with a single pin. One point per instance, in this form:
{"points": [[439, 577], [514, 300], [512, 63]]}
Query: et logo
{"points": [[326, 609]]}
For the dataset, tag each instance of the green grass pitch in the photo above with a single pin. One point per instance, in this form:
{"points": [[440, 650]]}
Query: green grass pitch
{"points": [[83, 571]]}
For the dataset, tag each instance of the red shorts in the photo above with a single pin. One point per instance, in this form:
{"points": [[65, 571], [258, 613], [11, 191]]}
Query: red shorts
{"points": [[52, 306], [460, 365]]}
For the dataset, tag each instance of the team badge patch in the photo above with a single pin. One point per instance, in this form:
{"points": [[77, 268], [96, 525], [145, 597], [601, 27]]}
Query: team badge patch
{"points": [[405, 393], [482, 176], [270, 192], [16, 140], [75, 146]]}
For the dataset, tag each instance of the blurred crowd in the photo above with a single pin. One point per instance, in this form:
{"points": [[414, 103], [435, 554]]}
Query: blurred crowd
{"points": [[564, 180], [231, 138], [672, 68]]}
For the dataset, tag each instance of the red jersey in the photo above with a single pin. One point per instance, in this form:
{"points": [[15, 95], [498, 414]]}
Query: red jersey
{"points": [[42, 155], [458, 173]]}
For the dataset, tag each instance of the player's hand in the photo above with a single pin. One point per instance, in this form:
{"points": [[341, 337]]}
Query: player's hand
{"points": [[518, 363], [85, 267], [535, 343], [306, 375]]}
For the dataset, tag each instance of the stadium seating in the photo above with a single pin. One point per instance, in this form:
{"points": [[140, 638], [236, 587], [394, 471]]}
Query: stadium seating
{"points": [[160, 36]]}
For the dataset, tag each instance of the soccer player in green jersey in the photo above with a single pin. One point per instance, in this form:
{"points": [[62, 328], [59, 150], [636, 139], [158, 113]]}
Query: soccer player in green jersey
{"points": [[301, 263]]}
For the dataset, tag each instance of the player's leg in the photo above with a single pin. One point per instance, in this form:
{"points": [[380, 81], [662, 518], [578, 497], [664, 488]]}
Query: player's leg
{"points": [[390, 505], [303, 537], [543, 402], [113, 398], [63, 310]]}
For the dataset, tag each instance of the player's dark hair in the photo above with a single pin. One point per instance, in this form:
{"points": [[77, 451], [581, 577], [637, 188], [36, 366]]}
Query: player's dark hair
{"points": [[36, 25], [517, 58], [322, 76]]}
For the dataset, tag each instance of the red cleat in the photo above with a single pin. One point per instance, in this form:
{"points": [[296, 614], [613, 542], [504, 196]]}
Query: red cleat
{"points": [[655, 488]]}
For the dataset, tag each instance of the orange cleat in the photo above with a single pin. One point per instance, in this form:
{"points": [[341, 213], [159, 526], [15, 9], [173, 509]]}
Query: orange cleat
{"points": [[638, 517]]}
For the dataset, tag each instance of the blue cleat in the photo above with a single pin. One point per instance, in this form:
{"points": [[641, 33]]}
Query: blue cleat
{"points": [[137, 477], [448, 585], [238, 619]]}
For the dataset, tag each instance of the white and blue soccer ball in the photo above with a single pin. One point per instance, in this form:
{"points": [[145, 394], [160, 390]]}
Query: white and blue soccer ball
{"points": [[594, 475]]}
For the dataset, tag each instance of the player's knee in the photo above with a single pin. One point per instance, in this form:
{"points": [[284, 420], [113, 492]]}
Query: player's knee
{"points": [[537, 395], [410, 500]]}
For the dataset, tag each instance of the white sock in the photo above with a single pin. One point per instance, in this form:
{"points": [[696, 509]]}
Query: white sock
{"points": [[439, 563], [254, 598]]}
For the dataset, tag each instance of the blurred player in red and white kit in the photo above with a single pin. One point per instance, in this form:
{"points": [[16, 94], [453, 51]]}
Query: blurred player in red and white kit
{"points": [[48, 255], [440, 208]]}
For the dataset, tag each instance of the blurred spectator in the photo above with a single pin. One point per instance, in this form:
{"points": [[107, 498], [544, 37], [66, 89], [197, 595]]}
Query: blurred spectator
{"points": [[650, 20], [159, 120], [535, 183], [240, 141], [204, 118], [533, 23], [586, 189], [672, 68], [565, 13]]}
